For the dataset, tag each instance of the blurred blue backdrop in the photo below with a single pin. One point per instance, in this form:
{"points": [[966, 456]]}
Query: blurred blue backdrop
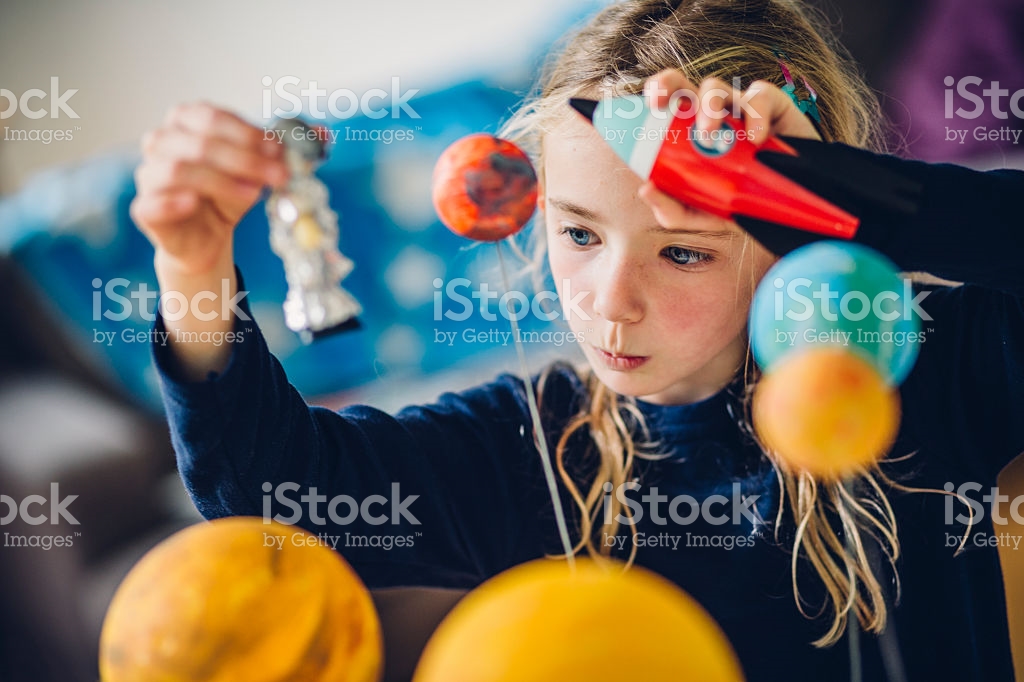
{"points": [[69, 227]]}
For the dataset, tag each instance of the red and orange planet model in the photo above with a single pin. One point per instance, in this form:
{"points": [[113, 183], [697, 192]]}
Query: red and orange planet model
{"points": [[485, 188]]}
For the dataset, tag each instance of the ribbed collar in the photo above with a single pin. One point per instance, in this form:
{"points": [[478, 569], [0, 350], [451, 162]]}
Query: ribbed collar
{"points": [[708, 418]]}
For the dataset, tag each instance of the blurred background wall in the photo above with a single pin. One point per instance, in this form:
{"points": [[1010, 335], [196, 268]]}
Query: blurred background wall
{"points": [[132, 61]]}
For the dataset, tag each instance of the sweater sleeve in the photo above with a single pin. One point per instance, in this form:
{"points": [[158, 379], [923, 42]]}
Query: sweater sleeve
{"points": [[431, 495], [969, 227], [966, 393]]}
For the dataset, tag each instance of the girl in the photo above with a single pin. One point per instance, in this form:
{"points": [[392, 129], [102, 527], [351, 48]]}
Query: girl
{"points": [[650, 438]]}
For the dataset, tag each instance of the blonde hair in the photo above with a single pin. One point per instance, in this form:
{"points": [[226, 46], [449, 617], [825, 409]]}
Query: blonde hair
{"points": [[612, 54]]}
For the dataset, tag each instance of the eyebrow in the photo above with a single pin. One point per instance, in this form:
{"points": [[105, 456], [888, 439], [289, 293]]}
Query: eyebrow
{"points": [[587, 214], [575, 209]]}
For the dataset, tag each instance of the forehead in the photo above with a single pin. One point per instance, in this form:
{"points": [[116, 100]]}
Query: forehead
{"points": [[581, 167], [573, 142]]}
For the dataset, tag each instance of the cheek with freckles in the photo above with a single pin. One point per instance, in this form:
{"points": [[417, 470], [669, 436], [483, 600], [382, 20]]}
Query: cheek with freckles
{"points": [[576, 282], [700, 316], [690, 310]]}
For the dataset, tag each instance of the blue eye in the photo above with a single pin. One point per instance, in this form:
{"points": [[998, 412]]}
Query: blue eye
{"points": [[681, 256], [677, 255], [578, 235]]}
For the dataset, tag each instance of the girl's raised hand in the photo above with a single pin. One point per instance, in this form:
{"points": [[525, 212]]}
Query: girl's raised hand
{"points": [[201, 171], [885, 193], [764, 108]]}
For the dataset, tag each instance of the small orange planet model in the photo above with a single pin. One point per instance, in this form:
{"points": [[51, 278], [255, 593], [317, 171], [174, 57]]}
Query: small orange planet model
{"points": [[238, 599], [544, 622], [827, 411], [484, 188]]}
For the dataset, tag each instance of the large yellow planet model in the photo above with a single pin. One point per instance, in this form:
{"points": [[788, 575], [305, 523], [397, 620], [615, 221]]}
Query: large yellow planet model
{"points": [[237, 599], [543, 622]]}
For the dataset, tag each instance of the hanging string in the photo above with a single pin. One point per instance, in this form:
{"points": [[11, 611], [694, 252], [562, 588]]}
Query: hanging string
{"points": [[852, 624], [888, 640], [888, 643], [539, 437], [853, 638]]}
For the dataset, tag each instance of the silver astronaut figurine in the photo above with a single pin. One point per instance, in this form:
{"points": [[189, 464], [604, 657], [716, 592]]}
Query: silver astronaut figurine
{"points": [[304, 234]]}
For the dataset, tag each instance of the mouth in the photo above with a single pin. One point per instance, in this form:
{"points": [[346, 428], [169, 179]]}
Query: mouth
{"points": [[620, 360]]}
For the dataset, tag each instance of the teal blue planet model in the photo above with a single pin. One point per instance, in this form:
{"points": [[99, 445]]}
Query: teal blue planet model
{"points": [[841, 294]]}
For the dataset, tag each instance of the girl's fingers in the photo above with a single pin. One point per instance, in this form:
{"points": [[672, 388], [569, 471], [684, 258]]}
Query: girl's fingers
{"points": [[672, 213], [159, 175], [763, 107], [780, 115], [715, 99], [667, 211], [712, 100], [158, 209], [665, 86], [205, 120], [173, 144]]}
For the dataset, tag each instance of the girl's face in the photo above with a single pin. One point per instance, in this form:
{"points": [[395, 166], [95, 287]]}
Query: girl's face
{"points": [[675, 299]]}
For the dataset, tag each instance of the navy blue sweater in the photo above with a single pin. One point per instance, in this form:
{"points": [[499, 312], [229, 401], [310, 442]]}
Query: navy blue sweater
{"points": [[462, 497]]}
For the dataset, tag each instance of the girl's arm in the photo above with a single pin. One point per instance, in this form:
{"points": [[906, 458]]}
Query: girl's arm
{"points": [[965, 396], [954, 222], [245, 436], [970, 227], [967, 391]]}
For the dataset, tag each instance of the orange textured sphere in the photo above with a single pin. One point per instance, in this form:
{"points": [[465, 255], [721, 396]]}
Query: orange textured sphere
{"points": [[541, 622], [826, 411], [484, 188], [237, 599]]}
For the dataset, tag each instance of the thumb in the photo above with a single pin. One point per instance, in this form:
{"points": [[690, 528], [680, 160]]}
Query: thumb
{"points": [[667, 211], [156, 210]]}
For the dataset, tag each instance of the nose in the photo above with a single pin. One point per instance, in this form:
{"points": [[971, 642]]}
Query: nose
{"points": [[617, 291]]}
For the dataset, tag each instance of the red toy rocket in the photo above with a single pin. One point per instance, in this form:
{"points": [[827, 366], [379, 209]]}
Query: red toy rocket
{"points": [[716, 172]]}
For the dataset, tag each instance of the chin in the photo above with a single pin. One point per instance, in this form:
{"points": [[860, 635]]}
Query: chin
{"points": [[635, 383]]}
